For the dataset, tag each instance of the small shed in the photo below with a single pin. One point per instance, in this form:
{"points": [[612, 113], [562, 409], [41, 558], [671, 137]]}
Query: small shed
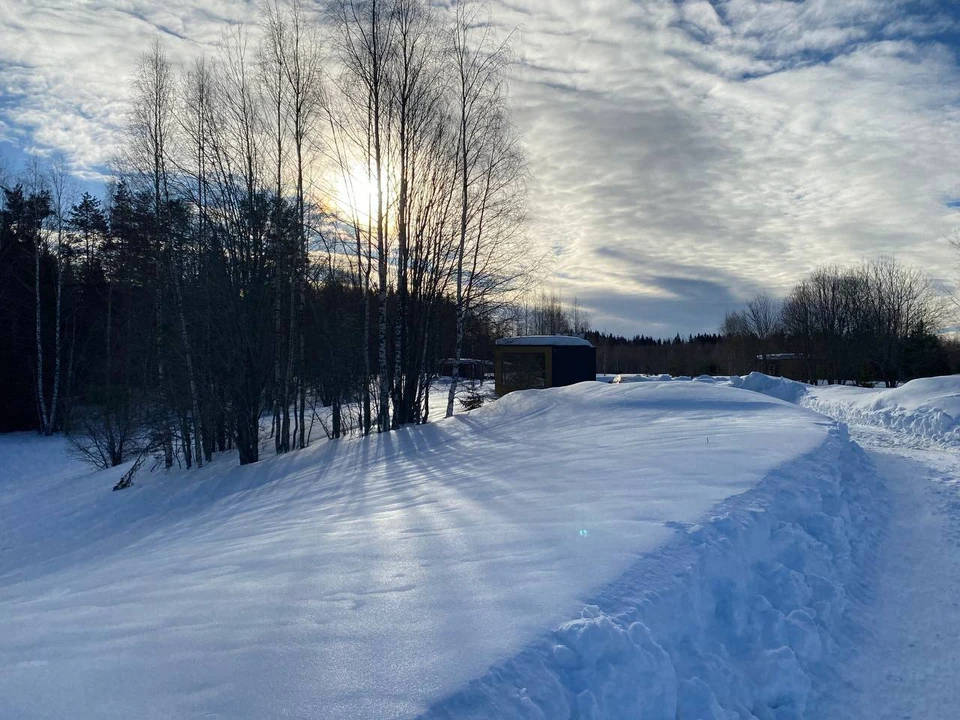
{"points": [[470, 369], [542, 361]]}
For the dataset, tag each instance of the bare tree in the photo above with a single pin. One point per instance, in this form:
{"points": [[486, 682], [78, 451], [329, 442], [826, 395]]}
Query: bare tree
{"points": [[762, 318], [150, 130], [303, 72], [899, 301], [954, 297], [38, 188], [271, 62], [196, 121], [238, 182], [293, 73], [488, 160], [366, 49], [60, 203]]}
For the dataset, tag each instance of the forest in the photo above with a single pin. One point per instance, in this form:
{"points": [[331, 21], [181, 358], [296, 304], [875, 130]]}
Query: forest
{"points": [[313, 216]]}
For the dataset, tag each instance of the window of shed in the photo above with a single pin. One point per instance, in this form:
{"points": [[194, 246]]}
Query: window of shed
{"points": [[524, 370]]}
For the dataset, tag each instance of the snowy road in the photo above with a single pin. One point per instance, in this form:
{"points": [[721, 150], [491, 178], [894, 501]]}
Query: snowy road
{"points": [[907, 664]]}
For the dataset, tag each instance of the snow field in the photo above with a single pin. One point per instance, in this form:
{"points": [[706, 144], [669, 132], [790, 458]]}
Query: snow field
{"points": [[377, 578]]}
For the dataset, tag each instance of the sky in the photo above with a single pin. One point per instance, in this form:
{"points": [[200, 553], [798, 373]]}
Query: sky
{"points": [[684, 155]]}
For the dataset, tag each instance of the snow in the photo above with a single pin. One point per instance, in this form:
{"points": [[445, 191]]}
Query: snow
{"points": [[712, 548], [904, 659], [608, 548], [898, 653], [907, 659], [927, 408], [923, 410], [551, 340], [737, 616]]}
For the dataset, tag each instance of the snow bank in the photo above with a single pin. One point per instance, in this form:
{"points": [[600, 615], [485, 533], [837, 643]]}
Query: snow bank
{"points": [[778, 387], [373, 578], [735, 618], [927, 409]]}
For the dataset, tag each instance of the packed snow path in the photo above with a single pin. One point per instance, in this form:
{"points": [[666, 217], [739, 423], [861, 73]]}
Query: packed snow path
{"points": [[907, 663]]}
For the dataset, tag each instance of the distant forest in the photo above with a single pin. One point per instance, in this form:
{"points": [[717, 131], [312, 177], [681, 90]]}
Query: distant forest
{"points": [[877, 322]]}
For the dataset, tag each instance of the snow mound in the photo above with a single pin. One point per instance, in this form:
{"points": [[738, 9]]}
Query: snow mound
{"points": [[778, 387], [736, 617], [374, 578], [927, 409]]}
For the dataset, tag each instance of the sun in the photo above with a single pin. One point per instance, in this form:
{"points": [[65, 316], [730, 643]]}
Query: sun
{"points": [[355, 194]]}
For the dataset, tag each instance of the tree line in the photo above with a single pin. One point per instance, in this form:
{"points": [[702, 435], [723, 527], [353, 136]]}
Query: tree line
{"points": [[700, 354], [875, 322], [311, 217]]}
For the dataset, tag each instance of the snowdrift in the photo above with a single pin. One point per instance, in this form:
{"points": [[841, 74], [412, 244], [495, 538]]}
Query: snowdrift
{"points": [[927, 409], [671, 549]]}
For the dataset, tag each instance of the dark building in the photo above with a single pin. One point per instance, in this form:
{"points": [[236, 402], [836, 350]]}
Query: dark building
{"points": [[793, 366], [543, 361], [470, 369]]}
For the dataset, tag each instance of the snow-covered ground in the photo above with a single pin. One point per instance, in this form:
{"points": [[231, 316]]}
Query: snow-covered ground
{"points": [[903, 646], [920, 411], [657, 549], [905, 661]]}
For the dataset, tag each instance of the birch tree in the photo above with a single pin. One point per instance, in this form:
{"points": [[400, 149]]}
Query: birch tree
{"points": [[60, 204], [486, 159], [150, 130], [365, 49], [423, 191]]}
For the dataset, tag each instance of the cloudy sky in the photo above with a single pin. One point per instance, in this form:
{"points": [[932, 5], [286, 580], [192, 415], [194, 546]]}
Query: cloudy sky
{"points": [[685, 154]]}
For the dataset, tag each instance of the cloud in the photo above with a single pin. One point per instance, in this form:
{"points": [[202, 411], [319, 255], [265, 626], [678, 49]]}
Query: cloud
{"points": [[686, 154], [743, 142], [66, 66]]}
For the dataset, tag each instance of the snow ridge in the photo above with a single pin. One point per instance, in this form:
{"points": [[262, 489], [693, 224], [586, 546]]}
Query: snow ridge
{"points": [[929, 424], [926, 410], [732, 619]]}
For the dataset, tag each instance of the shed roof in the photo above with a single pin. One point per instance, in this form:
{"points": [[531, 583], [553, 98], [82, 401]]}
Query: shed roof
{"points": [[545, 341]]}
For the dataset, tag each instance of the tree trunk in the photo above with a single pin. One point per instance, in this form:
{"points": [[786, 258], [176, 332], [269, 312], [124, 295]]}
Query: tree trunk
{"points": [[54, 401], [41, 401]]}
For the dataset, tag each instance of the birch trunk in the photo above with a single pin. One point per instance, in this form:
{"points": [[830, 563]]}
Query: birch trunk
{"points": [[41, 402]]}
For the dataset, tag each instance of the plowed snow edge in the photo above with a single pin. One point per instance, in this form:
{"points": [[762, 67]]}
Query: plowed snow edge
{"points": [[734, 618]]}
